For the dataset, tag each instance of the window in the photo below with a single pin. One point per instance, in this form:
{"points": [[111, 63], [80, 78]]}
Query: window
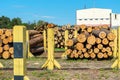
{"points": [[107, 18], [85, 19], [80, 19], [115, 16], [96, 18], [101, 19], [91, 19]]}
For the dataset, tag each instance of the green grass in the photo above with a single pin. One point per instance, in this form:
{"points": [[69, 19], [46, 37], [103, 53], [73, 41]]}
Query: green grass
{"points": [[59, 49]]}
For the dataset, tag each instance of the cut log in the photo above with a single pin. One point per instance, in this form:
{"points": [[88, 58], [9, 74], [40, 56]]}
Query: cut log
{"points": [[71, 42], [105, 55], [111, 36], [5, 41], [84, 50], [10, 39], [111, 44], [89, 29], [6, 47], [92, 55], [108, 49], [33, 32], [68, 51], [6, 55], [105, 41], [11, 50], [36, 40], [81, 38], [88, 46], [1, 50], [83, 27], [2, 31], [103, 50], [100, 55], [98, 40], [70, 36], [36, 50], [81, 56], [79, 46], [99, 33], [90, 50], [96, 50], [79, 52], [91, 40], [110, 54], [8, 32], [3, 36], [35, 36], [99, 46], [86, 55]]}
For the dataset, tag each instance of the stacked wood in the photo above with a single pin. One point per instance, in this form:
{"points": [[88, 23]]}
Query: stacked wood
{"points": [[59, 35], [91, 42], [6, 43], [59, 39], [36, 42]]}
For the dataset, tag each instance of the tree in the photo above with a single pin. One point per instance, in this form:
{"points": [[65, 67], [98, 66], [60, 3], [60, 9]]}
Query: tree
{"points": [[16, 21], [5, 22]]}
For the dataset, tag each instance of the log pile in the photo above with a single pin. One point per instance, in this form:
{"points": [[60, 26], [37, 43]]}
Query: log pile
{"points": [[59, 39], [36, 42], [6, 43], [60, 35], [91, 42]]}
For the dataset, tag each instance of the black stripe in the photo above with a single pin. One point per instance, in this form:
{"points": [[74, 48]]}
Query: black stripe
{"points": [[18, 49], [18, 77]]}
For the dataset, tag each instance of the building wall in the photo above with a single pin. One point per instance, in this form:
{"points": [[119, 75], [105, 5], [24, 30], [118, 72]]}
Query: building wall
{"points": [[96, 16]]}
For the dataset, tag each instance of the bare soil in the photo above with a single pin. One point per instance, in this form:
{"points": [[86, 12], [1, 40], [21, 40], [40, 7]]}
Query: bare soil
{"points": [[71, 70]]}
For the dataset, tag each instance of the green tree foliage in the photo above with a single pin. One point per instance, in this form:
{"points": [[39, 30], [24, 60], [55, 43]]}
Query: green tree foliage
{"points": [[4, 22], [16, 21]]}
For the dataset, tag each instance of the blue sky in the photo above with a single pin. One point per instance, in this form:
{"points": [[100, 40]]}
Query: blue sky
{"points": [[56, 11]]}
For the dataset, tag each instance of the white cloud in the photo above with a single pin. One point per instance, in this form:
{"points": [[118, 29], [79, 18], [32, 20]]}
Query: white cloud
{"points": [[48, 17]]}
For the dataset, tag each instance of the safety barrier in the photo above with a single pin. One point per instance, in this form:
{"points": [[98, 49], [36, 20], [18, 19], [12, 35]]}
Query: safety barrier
{"points": [[20, 52]]}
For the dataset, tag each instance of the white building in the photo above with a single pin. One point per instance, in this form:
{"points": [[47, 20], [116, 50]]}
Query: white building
{"points": [[97, 16]]}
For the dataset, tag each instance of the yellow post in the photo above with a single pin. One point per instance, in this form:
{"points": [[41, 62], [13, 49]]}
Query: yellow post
{"points": [[75, 33], [115, 43], [1, 65], [29, 54], [45, 40], [66, 38], [117, 61], [51, 62], [19, 43]]}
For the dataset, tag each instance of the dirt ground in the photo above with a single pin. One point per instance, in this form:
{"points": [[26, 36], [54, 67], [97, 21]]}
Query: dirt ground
{"points": [[71, 70]]}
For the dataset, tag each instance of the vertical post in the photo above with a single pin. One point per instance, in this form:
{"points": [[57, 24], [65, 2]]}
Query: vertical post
{"points": [[66, 38], [75, 33], [45, 40], [29, 54], [51, 62], [119, 47], [117, 61], [115, 43], [19, 43], [1, 65]]}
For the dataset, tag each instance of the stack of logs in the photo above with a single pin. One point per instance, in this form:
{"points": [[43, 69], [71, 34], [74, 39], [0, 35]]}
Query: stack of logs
{"points": [[6, 43], [60, 35], [36, 42], [91, 42]]}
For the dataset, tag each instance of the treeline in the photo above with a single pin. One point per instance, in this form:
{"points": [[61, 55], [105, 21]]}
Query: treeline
{"points": [[6, 22]]}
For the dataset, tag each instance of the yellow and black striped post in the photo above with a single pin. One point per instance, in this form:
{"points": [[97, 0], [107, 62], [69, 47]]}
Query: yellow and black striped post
{"points": [[19, 43], [29, 54], [117, 61], [51, 62], [66, 38]]}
